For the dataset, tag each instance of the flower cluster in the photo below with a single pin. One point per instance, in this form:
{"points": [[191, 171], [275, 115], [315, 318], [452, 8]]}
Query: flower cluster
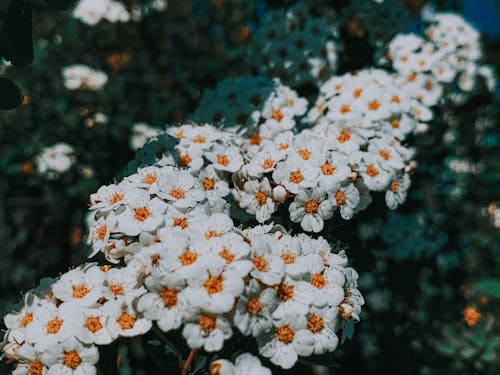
{"points": [[55, 160], [450, 51], [243, 364], [58, 327], [256, 105], [295, 46], [83, 77], [92, 12]]}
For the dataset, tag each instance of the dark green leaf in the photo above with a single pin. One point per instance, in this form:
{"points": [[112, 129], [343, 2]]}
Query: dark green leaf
{"points": [[489, 287], [16, 39], [10, 95]]}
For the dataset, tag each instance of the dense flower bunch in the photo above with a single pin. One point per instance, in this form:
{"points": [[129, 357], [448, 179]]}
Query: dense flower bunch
{"points": [[55, 160], [256, 105], [83, 77], [451, 50], [295, 46]]}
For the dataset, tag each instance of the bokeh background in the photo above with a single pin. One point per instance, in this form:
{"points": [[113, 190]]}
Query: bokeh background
{"points": [[429, 271]]}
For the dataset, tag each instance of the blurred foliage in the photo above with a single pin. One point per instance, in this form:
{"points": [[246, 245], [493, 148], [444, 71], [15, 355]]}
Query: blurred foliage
{"points": [[421, 266]]}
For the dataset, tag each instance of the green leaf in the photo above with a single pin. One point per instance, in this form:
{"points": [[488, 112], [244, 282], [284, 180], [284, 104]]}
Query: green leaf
{"points": [[445, 348], [489, 287], [200, 363], [347, 331], [10, 95]]}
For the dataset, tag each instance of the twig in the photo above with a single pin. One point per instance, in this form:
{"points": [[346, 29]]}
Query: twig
{"points": [[189, 359]]}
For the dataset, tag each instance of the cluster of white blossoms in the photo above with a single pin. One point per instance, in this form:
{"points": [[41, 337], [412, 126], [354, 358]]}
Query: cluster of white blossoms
{"points": [[450, 51], [244, 364], [82, 77], [295, 46], [91, 12], [187, 267], [254, 105], [55, 160]]}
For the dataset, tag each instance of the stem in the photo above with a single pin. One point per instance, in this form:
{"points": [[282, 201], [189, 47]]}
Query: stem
{"points": [[189, 359]]}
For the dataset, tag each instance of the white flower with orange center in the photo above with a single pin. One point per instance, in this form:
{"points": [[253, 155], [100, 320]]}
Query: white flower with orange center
{"points": [[294, 297], [343, 137], [319, 335], [147, 177], [374, 175], [256, 198], [109, 197], [233, 252], [327, 285], [71, 358], [244, 364], [122, 283], [80, 285], [29, 362], [281, 344], [295, 177], [333, 168], [165, 302], [176, 220], [225, 158], [268, 268], [214, 226], [310, 208], [90, 324], [398, 189], [261, 163], [190, 158], [279, 118], [253, 314], [180, 188], [100, 232], [215, 290], [288, 248], [142, 214], [207, 331], [124, 320], [55, 160], [212, 183], [202, 136], [345, 196], [18, 322]]}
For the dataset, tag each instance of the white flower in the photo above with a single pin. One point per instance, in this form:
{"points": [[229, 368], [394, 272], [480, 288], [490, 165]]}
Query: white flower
{"points": [[319, 337], [121, 283], [180, 188], [55, 160], [90, 324], [213, 184], [281, 344], [295, 177], [142, 213], [99, 232], [345, 197], [245, 364], [29, 362], [141, 134], [82, 77], [253, 314], [311, 207], [398, 189], [257, 199], [71, 358], [109, 197], [18, 323], [294, 297], [79, 285], [207, 331], [268, 268], [226, 158], [124, 320]]}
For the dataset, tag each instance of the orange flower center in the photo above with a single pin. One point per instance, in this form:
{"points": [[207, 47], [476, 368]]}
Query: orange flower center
{"points": [[149, 179], [177, 193], [296, 177], [395, 123], [395, 99], [338, 87], [285, 292], [255, 139], [253, 306], [211, 233], [471, 316], [116, 289], [93, 324], [277, 115], [141, 213], [101, 232], [35, 368], [403, 58], [283, 146], [394, 186], [208, 183], [412, 77], [340, 198], [80, 291], [27, 319], [373, 105], [371, 170], [185, 160], [327, 169], [187, 258], [318, 280], [126, 321], [199, 139], [268, 163], [72, 359], [227, 255], [345, 108], [169, 297], [180, 222], [260, 263], [304, 154], [288, 258], [223, 160], [215, 368], [385, 154], [155, 259], [53, 326], [315, 324], [116, 197], [311, 206], [105, 268], [207, 323], [428, 85], [343, 137], [261, 198], [285, 334], [357, 93], [213, 284]]}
